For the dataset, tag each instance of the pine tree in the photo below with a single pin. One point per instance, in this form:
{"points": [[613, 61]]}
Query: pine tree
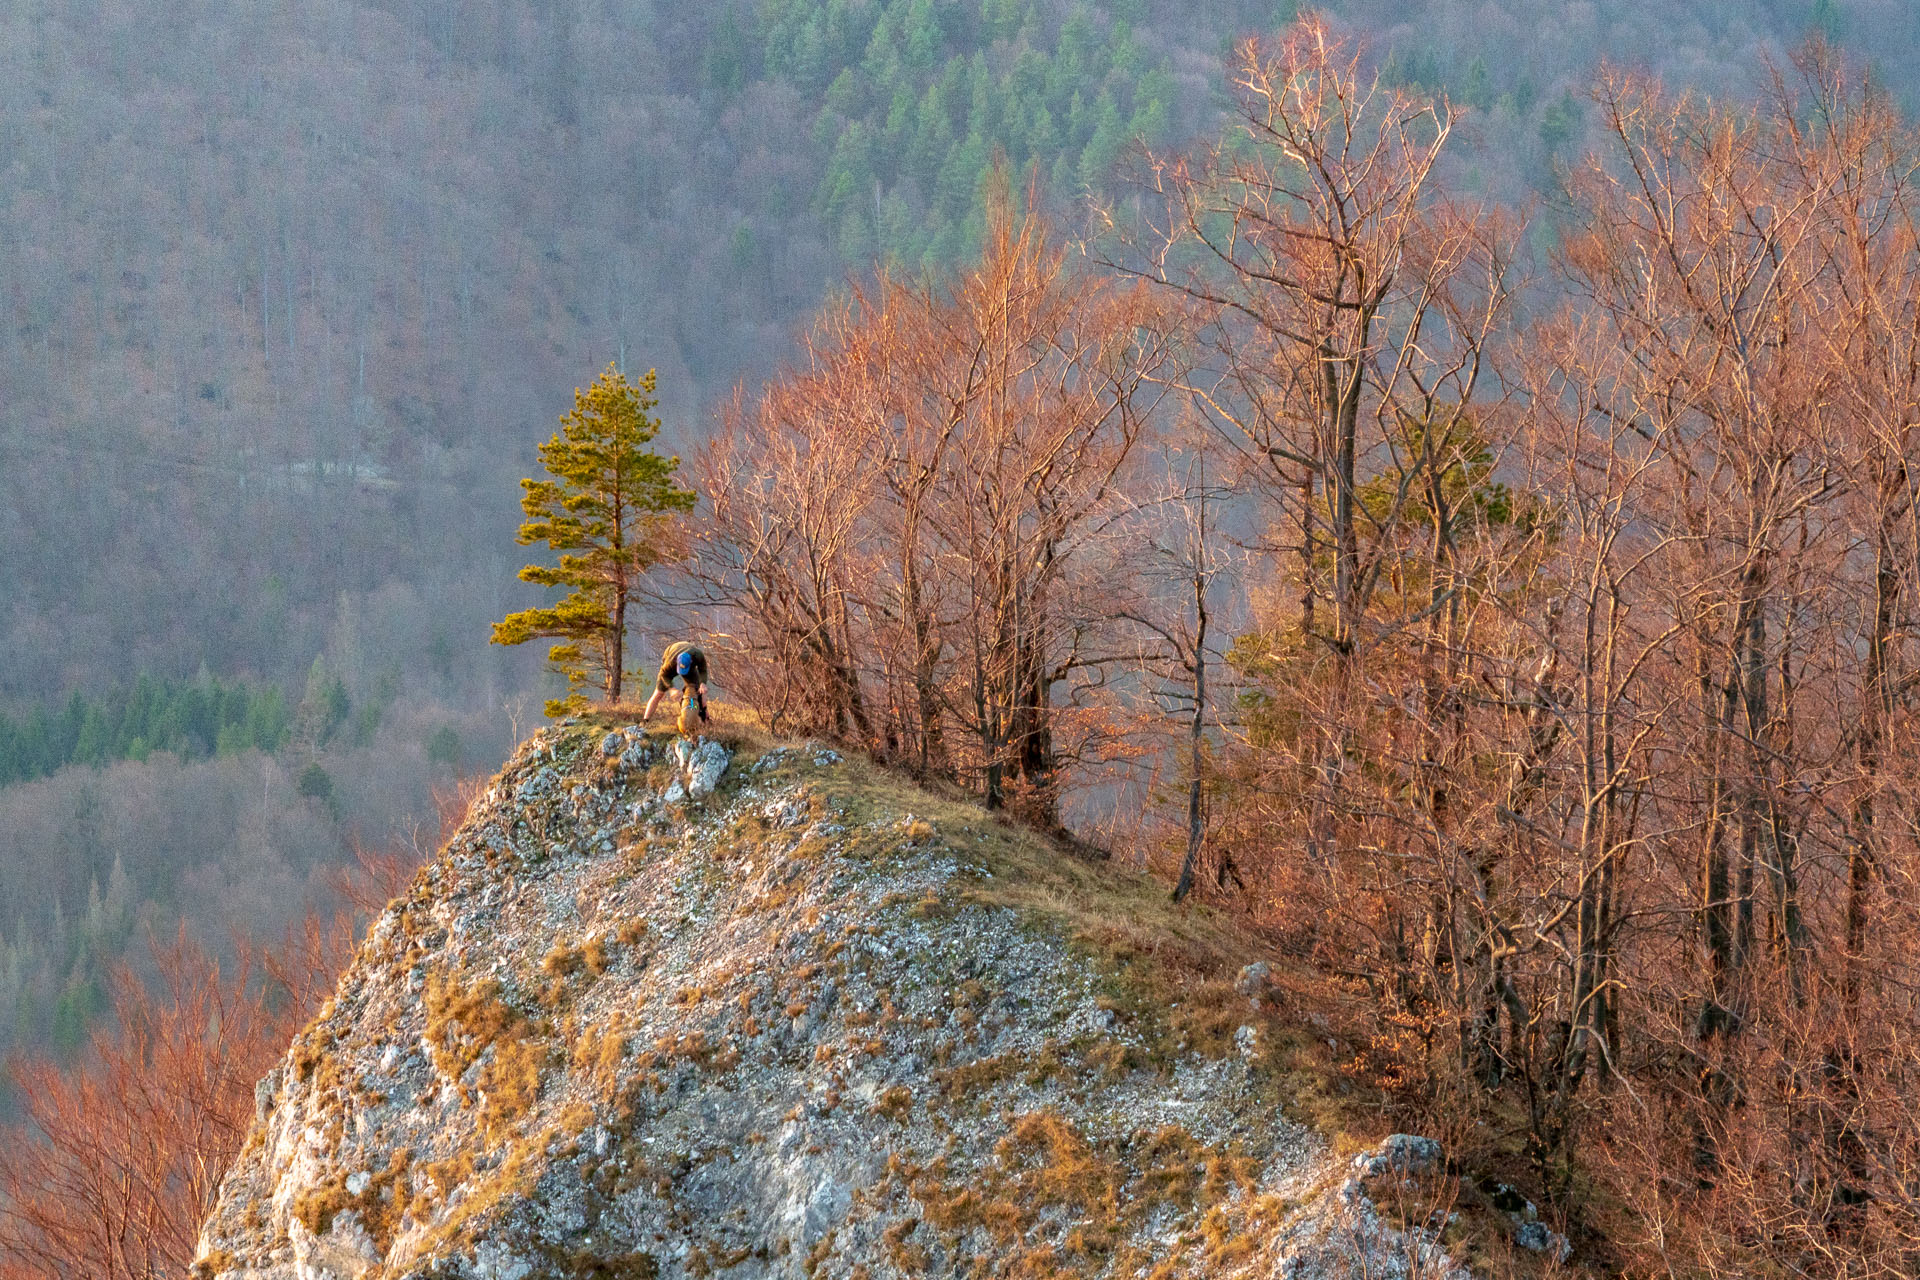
{"points": [[726, 57], [1477, 92], [1559, 122], [603, 512], [924, 37], [1109, 139], [323, 708]]}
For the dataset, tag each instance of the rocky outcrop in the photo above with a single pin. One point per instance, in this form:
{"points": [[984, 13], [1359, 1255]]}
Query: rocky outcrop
{"points": [[668, 1008]]}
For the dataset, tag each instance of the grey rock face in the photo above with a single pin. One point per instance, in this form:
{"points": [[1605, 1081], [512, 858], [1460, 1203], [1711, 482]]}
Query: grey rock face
{"points": [[789, 1033]]}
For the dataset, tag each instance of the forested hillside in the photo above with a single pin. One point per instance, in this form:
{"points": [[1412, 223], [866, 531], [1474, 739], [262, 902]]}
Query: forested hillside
{"points": [[288, 293]]}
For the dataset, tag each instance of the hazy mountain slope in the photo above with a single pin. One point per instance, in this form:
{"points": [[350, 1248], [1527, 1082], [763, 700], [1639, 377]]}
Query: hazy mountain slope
{"points": [[289, 293], [99, 861]]}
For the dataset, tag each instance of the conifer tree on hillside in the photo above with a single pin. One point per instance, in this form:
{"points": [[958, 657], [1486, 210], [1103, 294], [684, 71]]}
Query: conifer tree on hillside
{"points": [[603, 511]]}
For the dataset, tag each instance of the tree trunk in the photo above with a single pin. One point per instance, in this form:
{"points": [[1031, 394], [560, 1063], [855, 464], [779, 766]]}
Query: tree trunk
{"points": [[926, 660], [1195, 738], [1716, 923], [1874, 700], [617, 644], [1032, 732]]}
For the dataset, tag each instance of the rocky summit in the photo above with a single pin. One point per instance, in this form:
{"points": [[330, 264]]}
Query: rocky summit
{"points": [[736, 1008]]}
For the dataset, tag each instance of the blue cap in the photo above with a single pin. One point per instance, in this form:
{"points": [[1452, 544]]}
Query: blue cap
{"points": [[684, 663]]}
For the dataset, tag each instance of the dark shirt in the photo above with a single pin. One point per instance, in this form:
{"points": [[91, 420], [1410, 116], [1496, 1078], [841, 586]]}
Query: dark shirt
{"points": [[669, 666]]}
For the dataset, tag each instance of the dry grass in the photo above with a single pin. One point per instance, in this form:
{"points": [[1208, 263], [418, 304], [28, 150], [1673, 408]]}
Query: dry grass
{"points": [[895, 1103], [566, 959], [563, 961], [444, 1176], [592, 1264], [463, 1023], [510, 1084], [1047, 1171], [597, 1052], [380, 1204]]}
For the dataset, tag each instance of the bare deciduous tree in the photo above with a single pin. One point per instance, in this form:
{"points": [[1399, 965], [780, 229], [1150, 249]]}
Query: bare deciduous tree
{"points": [[116, 1162], [913, 526]]}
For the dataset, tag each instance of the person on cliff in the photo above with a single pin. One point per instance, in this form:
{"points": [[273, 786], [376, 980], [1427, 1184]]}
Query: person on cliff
{"points": [[685, 662]]}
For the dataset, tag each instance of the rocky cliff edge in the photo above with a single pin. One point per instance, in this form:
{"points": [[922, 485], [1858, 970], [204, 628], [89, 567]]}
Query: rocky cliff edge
{"points": [[741, 1009]]}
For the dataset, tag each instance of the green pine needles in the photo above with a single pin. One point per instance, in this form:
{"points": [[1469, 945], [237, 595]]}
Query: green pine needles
{"points": [[605, 513]]}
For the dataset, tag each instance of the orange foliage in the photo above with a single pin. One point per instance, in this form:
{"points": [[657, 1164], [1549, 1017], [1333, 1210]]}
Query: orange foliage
{"points": [[117, 1160]]}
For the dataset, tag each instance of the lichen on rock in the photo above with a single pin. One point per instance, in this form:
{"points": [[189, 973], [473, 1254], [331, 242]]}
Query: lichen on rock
{"points": [[731, 1009]]}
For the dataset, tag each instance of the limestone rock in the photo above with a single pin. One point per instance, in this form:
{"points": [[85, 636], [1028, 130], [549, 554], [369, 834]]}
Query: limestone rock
{"points": [[1536, 1237], [794, 1031], [1404, 1155], [704, 769], [702, 764]]}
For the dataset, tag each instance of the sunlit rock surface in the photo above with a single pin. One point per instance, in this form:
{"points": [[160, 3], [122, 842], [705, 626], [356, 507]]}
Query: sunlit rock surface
{"points": [[666, 1008]]}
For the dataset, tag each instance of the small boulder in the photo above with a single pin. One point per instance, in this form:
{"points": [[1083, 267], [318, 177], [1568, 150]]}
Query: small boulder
{"points": [[704, 768], [264, 1092], [1404, 1154], [495, 1261], [1254, 980], [1535, 1236]]}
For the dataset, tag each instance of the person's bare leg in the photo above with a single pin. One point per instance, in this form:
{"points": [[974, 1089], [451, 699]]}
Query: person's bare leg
{"points": [[652, 702]]}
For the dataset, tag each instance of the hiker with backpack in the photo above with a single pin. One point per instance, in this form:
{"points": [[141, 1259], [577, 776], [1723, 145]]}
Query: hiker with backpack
{"points": [[685, 662]]}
